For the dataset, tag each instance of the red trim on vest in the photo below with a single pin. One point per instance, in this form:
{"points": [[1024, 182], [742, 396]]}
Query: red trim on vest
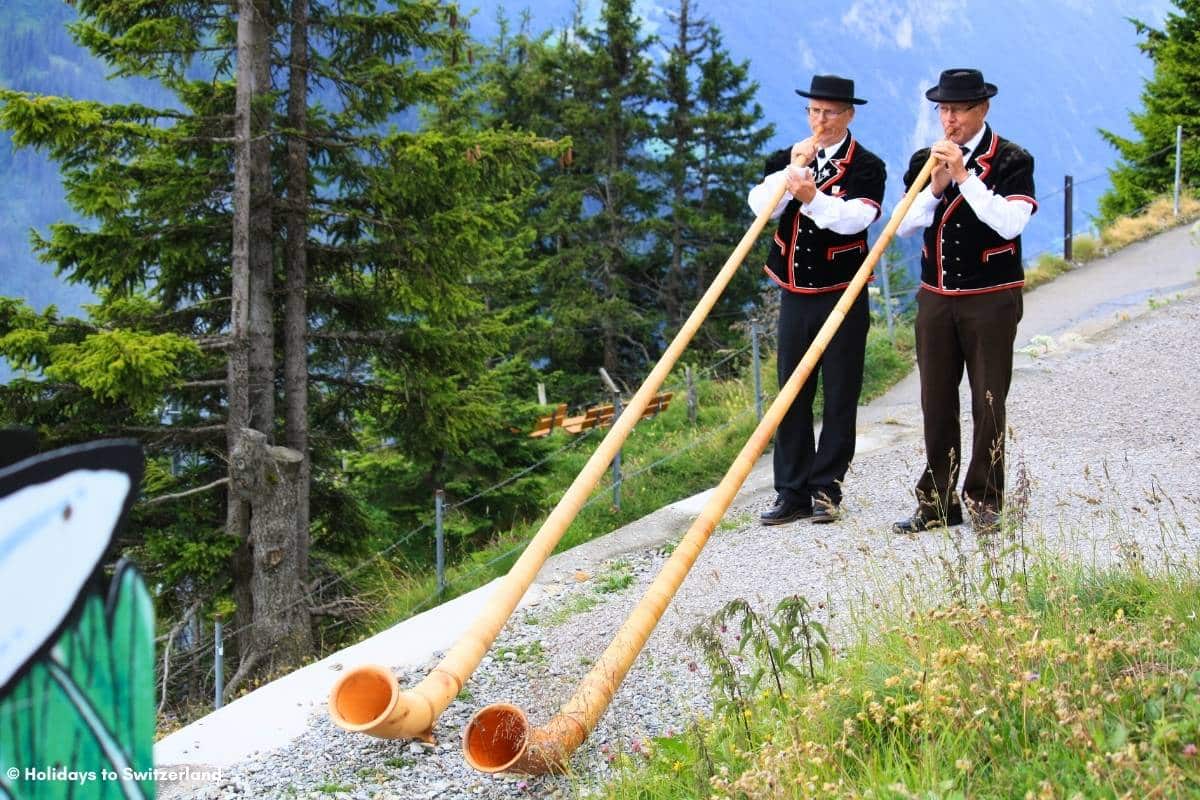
{"points": [[870, 202], [986, 290], [941, 227], [1011, 247], [806, 289], [860, 246], [791, 251], [1025, 198], [985, 160], [841, 165]]}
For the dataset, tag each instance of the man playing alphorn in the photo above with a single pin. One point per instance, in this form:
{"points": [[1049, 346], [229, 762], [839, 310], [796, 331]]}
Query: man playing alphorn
{"points": [[979, 199], [835, 187]]}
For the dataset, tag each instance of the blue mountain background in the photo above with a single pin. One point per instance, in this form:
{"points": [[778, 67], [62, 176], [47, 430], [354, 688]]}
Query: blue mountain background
{"points": [[1065, 69]]}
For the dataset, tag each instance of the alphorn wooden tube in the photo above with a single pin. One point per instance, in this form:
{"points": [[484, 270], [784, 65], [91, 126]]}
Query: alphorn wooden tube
{"points": [[369, 700], [499, 738]]}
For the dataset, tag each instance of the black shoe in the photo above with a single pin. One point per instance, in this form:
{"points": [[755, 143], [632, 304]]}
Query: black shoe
{"points": [[924, 519], [785, 511], [825, 512]]}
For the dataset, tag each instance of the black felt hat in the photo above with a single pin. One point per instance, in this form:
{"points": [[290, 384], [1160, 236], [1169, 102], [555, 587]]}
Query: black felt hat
{"points": [[961, 86], [831, 87]]}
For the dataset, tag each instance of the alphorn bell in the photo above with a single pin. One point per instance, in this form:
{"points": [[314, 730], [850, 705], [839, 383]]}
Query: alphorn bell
{"points": [[499, 737], [368, 699]]}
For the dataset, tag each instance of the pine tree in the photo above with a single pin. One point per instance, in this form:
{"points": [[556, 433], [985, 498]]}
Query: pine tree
{"points": [[599, 280], [1169, 99], [366, 252], [714, 134]]}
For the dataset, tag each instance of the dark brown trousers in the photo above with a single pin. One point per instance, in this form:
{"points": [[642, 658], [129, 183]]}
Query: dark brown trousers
{"points": [[976, 332]]}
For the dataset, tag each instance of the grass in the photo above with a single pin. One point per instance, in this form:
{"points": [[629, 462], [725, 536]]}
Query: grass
{"points": [[532, 653], [1073, 683], [1159, 216], [664, 460]]}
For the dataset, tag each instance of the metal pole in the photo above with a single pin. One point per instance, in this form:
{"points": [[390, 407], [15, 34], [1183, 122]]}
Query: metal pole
{"points": [[1068, 215], [439, 505], [617, 460], [887, 299], [1178, 160], [611, 385], [219, 666], [758, 409], [691, 394]]}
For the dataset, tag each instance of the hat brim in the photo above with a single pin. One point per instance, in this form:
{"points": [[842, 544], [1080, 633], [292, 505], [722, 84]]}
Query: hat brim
{"points": [[989, 91], [855, 100]]}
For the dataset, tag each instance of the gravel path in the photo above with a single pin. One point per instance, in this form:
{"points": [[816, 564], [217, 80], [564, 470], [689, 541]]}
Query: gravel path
{"points": [[1102, 429]]}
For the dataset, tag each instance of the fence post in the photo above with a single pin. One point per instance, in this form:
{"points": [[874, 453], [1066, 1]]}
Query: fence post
{"points": [[885, 274], [439, 506], [1068, 216], [692, 405], [219, 666], [1178, 159], [616, 464], [757, 359]]}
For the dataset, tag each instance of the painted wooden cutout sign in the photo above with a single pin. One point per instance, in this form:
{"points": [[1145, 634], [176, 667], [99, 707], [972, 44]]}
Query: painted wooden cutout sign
{"points": [[76, 637]]}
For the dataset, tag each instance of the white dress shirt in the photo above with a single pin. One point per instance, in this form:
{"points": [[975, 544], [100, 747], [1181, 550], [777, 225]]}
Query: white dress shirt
{"points": [[1006, 217], [826, 211]]}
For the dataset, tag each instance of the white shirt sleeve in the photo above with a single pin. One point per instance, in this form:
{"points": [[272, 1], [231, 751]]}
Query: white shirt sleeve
{"points": [[920, 213], [760, 194], [840, 215], [1006, 217]]}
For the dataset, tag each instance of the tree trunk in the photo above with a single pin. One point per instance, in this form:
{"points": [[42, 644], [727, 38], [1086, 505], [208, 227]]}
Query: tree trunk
{"points": [[295, 366], [252, 365], [262, 231], [268, 479], [237, 522]]}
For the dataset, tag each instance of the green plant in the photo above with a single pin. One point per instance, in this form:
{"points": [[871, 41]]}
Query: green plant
{"points": [[1085, 248], [525, 653], [617, 577], [1071, 683]]}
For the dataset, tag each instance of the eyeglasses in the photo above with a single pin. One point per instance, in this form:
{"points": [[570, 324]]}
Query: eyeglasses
{"points": [[825, 113], [942, 108]]}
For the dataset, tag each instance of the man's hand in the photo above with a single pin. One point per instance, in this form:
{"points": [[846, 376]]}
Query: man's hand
{"points": [[950, 166], [800, 183], [804, 151]]}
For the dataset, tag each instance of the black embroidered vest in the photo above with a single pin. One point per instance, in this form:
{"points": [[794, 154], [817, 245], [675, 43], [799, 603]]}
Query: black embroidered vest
{"points": [[807, 259], [962, 254]]}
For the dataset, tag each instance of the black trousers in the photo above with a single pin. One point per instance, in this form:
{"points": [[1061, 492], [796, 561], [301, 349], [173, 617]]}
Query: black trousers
{"points": [[805, 469], [975, 332]]}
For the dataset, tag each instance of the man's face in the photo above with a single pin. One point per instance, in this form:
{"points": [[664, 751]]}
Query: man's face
{"points": [[961, 121], [829, 119]]}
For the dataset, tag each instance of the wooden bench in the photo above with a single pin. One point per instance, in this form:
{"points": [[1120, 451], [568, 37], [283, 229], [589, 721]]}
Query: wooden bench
{"points": [[603, 416], [546, 424]]}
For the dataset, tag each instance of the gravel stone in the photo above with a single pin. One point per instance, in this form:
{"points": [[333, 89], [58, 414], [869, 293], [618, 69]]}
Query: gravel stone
{"points": [[1103, 432]]}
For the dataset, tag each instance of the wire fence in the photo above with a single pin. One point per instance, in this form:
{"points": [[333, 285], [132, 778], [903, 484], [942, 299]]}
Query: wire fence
{"points": [[461, 582], [899, 300]]}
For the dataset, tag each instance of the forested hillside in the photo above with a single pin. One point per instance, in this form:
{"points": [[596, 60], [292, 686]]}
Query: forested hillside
{"points": [[37, 54], [334, 248], [276, 262]]}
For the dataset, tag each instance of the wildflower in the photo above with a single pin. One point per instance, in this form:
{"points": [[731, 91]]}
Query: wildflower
{"points": [[522, 786], [1190, 749], [678, 765], [963, 764]]}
